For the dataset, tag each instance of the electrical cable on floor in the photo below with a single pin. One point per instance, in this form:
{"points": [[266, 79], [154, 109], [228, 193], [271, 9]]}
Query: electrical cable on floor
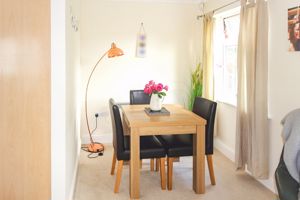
{"points": [[85, 147]]}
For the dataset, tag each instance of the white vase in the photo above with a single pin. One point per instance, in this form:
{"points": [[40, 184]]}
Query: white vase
{"points": [[155, 102]]}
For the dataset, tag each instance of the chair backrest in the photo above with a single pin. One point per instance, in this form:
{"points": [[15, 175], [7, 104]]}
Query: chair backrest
{"points": [[118, 134], [139, 97], [207, 109]]}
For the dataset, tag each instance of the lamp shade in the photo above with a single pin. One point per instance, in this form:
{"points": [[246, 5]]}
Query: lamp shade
{"points": [[114, 51]]}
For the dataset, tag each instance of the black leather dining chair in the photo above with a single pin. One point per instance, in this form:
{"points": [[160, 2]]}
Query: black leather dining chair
{"points": [[150, 147], [287, 186], [139, 97], [182, 144]]}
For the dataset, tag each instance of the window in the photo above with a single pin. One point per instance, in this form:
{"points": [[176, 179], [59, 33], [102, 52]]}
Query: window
{"points": [[225, 57]]}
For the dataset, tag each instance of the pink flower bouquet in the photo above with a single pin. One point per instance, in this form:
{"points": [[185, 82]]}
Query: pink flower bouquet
{"points": [[159, 89]]}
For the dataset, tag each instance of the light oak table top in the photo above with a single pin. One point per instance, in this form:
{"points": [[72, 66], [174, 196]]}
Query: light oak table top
{"points": [[180, 121]]}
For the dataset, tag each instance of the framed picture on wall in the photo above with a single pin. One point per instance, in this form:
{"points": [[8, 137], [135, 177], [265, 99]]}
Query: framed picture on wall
{"points": [[294, 28], [141, 43]]}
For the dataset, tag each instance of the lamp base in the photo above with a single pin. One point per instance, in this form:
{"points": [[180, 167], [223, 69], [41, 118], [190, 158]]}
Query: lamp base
{"points": [[95, 147]]}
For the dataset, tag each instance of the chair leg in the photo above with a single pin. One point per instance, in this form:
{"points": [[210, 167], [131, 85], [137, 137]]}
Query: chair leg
{"points": [[176, 159], [170, 172], [113, 165], [152, 164], [118, 176], [211, 169], [162, 173], [157, 165]]}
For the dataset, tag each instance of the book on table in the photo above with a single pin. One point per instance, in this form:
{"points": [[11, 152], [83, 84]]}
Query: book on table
{"points": [[163, 111]]}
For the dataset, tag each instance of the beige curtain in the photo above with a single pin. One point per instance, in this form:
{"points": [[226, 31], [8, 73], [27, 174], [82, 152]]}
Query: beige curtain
{"points": [[252, 140], [208, 83]]}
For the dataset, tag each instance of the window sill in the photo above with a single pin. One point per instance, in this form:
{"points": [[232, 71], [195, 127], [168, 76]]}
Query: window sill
{"points": [[226, 103]]}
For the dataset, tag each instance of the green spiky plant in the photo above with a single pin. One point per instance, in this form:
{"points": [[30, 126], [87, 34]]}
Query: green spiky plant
{"points": [[196, 85]]}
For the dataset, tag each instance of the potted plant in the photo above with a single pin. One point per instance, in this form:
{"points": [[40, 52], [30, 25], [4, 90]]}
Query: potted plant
{"points": [[196, 86], [157, 93]]}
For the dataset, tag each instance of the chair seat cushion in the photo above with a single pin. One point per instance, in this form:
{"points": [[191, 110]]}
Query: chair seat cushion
{"points": [[150, 147], [177, 145]]}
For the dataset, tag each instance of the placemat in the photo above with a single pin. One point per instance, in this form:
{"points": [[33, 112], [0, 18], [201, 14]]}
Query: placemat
{"points": [[163, 111]]}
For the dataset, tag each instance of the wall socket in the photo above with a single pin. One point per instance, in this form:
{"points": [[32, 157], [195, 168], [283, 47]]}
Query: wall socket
{"points": [[101, 114]]}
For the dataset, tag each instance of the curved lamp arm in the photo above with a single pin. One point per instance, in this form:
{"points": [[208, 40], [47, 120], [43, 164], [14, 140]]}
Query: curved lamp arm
{"points": [[86, 92]]}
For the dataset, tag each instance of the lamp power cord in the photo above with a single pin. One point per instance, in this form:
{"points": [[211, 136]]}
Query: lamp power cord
{"points": [[85, 147]]}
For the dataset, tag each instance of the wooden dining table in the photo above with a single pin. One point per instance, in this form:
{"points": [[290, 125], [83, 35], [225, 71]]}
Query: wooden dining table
{"points": [[137, 123]]}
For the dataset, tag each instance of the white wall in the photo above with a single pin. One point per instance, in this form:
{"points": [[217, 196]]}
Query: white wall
{"points": [[64, 105], [72, 100], [225, 129], [283, 81], [173, 46], [58, 125], [284, 68]]}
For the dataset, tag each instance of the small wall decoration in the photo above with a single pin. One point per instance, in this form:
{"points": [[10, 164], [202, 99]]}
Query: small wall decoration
{"points": [[294, 28], [74, 20], [141, 43]]}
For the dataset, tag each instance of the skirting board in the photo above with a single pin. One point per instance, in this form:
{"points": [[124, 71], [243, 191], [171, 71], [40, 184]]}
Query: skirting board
{"points": [[224, 149], [74, 179], [230, 154], [105, 138], [267, 183]]}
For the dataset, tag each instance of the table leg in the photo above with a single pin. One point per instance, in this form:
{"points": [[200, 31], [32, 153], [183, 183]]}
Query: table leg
{"points": [[199, 160], [134, 171]]}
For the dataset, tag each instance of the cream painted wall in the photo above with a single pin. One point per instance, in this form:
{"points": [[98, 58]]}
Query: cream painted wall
{"points": [[225, 129], [283, 81], [284, 68], [58, 125], [72, 100], [65, 116], [173, 46]]}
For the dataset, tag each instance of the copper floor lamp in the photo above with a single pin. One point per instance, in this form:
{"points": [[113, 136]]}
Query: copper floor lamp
{"points": [[95, 147]]}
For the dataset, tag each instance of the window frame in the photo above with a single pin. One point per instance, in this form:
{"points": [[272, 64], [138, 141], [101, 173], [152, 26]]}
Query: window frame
{"points": [[227, 95]]}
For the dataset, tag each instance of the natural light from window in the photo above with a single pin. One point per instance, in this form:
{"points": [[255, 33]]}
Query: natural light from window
{"points": [[225, 56]]}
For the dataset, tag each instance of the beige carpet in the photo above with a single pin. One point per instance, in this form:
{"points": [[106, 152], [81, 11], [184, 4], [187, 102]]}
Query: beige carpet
{"points": [[94, 181]]}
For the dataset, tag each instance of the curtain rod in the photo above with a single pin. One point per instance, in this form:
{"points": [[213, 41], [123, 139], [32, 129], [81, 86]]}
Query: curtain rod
{"points": [[199, 16], [231, 16]]}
